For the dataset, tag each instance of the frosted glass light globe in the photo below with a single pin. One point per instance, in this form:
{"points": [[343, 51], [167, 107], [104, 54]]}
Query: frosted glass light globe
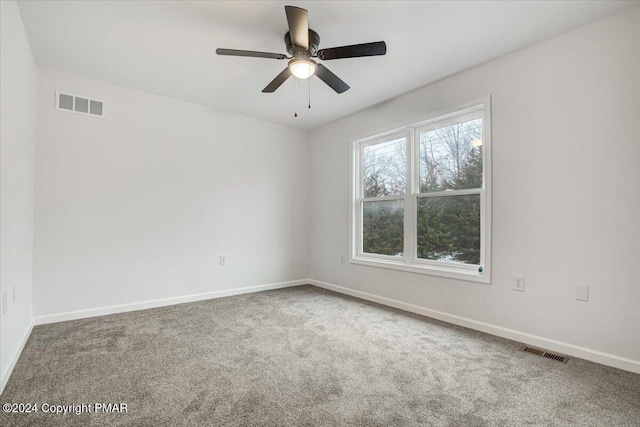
{"points": [[302, 69]]}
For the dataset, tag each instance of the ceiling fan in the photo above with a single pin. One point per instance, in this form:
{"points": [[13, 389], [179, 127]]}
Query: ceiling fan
{"points": [[302, 44]]}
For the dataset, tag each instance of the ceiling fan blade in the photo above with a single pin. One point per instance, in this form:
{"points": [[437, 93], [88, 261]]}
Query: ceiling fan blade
{"points": [[275, 83], [251, 53], [353, 51], [298, 20], [331, 79]]}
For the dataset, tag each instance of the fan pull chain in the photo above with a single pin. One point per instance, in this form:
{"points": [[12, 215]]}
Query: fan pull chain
{"points": [[309, 92], [295, 101]]}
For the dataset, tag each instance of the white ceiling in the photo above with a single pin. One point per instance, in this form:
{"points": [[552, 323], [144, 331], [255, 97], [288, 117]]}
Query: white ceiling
{"points": [[168, 47]]}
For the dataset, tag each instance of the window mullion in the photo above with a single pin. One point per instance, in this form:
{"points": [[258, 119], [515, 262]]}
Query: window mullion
{"points": [[381, 198], [409, 202], [448, 193]]}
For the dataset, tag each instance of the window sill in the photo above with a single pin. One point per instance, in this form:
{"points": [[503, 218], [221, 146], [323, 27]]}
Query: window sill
{"points": [[451, 273]]}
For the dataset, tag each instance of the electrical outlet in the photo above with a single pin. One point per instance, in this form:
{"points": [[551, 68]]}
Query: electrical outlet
{"points": [[342, 259], [518, 283], [4, 302], [223, 260]]}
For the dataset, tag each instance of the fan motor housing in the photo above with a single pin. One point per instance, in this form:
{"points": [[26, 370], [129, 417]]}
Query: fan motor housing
{"points": [[314, 42]]}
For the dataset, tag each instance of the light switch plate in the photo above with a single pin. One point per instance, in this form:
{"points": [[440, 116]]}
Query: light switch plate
{"points": [[582, 292]]}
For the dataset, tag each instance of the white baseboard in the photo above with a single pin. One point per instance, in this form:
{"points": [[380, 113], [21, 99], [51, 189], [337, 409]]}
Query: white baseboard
{"points": [[14, 359], [534, 340], [113, 309]]}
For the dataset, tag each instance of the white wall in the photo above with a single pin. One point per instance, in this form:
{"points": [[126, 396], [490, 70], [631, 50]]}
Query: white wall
{"points": [[139, 205], [566, 194], [17, 139]]}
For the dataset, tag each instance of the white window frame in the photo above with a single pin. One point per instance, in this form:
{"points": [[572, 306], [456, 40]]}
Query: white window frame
{"points": [[480, 108]]}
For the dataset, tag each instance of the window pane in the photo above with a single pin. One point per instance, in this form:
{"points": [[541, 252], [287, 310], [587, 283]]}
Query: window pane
{"points": [[449, 228], [451, 157], [385, 169], [383, 227]]}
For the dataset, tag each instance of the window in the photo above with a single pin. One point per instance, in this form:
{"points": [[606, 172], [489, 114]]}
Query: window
{"points": [[422, 196]]}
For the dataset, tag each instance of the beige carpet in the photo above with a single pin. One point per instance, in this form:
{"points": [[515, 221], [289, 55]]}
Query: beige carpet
{"points": [[304, 356]]}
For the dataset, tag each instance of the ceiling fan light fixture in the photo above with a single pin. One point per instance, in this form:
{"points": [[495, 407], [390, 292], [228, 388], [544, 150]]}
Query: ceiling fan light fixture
{"points": [[302, 68], [301, 42]]}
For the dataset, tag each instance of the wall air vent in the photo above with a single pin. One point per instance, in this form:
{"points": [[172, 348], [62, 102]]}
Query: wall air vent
{"points": [[79, 104], [548, 354]]}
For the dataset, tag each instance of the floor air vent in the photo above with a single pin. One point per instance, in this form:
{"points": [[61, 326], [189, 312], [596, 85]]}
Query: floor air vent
{"points": [[544, 353]]}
